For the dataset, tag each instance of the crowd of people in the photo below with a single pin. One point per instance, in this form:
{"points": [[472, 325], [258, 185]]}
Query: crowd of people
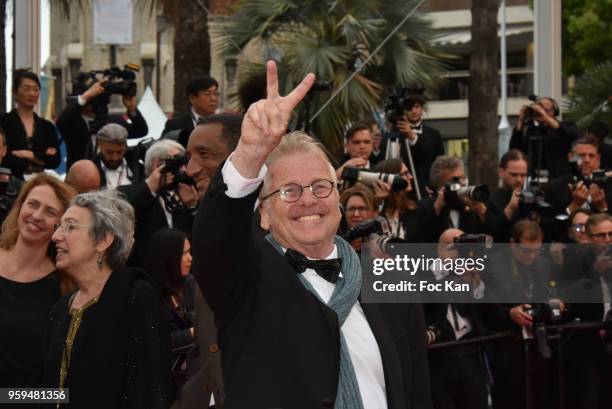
{"points": [[219, 267]]}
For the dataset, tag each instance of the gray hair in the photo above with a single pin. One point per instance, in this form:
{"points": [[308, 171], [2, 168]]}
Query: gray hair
{"points": [[296, 142], [159, 151], [110, 214], [443, 164]]}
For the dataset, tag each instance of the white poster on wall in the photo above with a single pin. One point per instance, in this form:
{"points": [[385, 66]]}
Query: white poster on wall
{"points": [[112, 21]]}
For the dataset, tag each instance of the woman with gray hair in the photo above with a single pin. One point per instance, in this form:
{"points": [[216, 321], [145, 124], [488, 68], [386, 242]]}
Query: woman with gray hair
{"points": [[108, 342]]}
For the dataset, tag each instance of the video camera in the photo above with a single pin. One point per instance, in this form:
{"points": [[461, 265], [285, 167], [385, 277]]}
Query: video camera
{"points": [[400, 99], [350, 176], [455, 192], [118, 81]]}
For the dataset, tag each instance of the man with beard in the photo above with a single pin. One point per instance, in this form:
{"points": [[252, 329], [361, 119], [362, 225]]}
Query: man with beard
{"points": [[503, 205], [110, 160]]}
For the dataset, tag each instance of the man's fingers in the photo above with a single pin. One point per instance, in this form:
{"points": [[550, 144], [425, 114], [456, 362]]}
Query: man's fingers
{"points": [[300, 92], [272, 79]]}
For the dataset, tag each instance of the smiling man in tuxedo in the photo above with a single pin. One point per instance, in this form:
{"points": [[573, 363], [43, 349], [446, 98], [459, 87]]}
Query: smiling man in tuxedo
{"points": [[291, 328]]}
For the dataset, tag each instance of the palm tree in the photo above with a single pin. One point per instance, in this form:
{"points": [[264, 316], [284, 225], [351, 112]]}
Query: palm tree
{"points": [[591, 99], [483, 93], [191, 40], [333, 39]]}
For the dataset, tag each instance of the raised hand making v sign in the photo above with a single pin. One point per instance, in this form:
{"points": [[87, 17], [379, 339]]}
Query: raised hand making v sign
{"points": [[265, 123]]}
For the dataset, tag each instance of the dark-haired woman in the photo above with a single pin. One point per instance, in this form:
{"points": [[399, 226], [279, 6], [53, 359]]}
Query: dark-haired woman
{"points": [[169, 263], [32, 142], [399, 209]]}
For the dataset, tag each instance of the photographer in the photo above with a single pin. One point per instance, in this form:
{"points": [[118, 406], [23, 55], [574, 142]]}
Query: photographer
{"points": [[425, 142], [9, 184], [160, 202], [447, 209], [587, 188], [543, 138], [517, 280], [113, 165], [78, 121], [458, 374], [360, 205], [590, 269], [503, 205], [399, 208], [358, 146]]}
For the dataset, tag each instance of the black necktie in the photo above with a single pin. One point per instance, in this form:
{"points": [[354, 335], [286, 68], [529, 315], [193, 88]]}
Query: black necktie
{"points": [[328, 269]]}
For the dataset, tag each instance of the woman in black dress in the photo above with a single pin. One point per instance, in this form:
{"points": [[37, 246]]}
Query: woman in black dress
{"points": [[169, 263], [29, 286], [109, 341], [32, 142]]}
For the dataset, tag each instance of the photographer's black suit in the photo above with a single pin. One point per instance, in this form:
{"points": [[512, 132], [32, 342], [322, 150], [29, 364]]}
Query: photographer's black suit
{"points": [[150, 217], [433, 225], [557, 143], [77, 135], [131, 164], [179, 128], [559, 196], [280, 345], [496, 220], [428, 147]]}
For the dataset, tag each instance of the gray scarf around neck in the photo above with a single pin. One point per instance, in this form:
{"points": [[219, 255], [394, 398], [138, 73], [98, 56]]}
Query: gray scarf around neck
{"points": [[342, 300]]}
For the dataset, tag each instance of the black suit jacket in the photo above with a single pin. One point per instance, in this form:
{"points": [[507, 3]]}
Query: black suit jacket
{"points": [[557, 143], [150, 217], [559, 195], [179, 128], [280, 345], [77, 135], [428, 147], [496, 219], [433, 225]]}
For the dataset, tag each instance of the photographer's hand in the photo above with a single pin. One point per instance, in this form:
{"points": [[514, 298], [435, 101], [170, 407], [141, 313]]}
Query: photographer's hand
{"points": [[543, 116], [513, 204], [404, 127], [352, 163], [598, 198], [439, 203], [580, 194], [520, 317], [93, 91], [130, 104], [479, 208], [154, 181], [381, 189], [188, 195]]}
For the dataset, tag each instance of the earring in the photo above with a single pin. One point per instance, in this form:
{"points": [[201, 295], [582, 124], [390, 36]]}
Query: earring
{"points": [[100, 261]]}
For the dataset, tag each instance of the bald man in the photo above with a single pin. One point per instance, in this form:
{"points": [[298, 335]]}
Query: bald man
{"points": [[84, 176]]}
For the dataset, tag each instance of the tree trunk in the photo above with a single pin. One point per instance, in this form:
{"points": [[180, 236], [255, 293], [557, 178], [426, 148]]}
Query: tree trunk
{"points": [[483, 94], [191, 49], [2, 56]]}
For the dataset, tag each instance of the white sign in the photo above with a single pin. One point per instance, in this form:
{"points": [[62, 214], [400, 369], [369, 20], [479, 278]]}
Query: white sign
{"points": [[112, 21]]}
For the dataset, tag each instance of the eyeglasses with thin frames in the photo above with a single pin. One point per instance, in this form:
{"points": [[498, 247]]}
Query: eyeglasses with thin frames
{"points": [[291, 192], [68, 227]]}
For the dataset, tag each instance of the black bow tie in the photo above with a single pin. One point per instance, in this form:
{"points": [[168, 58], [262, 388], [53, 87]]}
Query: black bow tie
{"points": [[328, 269]]}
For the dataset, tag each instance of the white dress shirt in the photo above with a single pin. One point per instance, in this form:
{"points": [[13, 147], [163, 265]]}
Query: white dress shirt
{"points": [[362, 345]]}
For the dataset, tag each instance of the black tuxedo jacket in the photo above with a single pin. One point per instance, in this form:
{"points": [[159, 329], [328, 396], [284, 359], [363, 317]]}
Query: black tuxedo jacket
{"points": [[77, 135], [179, 128], [150, 217], [433, 225], [496, 220], [280, 345], [559, 195]]}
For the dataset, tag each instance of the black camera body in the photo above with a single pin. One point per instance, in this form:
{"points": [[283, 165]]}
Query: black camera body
{"points": [[399, 100], [363, 229], [173, 166], [455, 192], [473, 245]]}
